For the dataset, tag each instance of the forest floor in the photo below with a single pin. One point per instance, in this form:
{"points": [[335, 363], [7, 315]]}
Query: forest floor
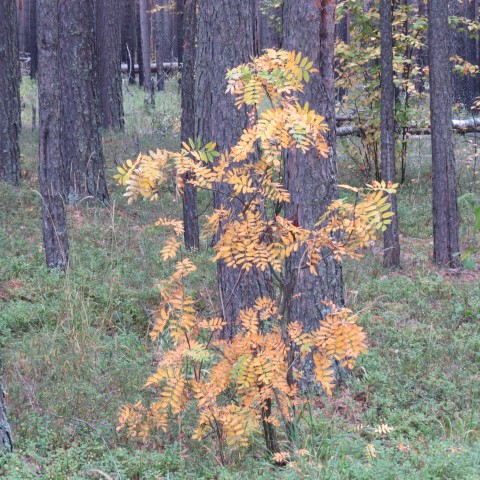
{"points": [[76, 347]]}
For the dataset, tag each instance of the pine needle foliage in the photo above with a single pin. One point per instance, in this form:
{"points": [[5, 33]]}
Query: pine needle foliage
{"points": [[249, 383]]}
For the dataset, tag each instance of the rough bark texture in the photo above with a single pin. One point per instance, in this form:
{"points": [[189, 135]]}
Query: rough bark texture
{"points": [[51, 152], [391, 242], [161, 18], [139, 44], [6, 442], [9, 94], [84, 173], [145, 37], [33, 39], [217, 119], [21, 24], [180, 28], [310, 179], [445, 209], [108, 40], [190, 212]]}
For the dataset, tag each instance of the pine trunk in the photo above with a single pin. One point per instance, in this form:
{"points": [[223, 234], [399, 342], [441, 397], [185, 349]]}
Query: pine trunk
{"points": [[310, 179], [33, 39], [51, 152], [6, 442], [145, 41], [108, 43], [445, 210], [391, 242], [189, 33], [180, 29], [9, 94], [129, 38], [217, 119], [160, 42], [85, 171]]}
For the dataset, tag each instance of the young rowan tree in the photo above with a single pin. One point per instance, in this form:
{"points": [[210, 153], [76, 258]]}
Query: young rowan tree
{"points": [[249, 381]]}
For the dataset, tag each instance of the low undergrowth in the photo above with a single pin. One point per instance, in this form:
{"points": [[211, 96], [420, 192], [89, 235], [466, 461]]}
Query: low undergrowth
{"points": [[75, 348]]}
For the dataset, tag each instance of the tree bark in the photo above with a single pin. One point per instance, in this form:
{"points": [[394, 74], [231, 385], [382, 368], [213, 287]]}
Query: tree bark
{"points": [[161, 42], [310, 179], [85, 171], [445, 210], [33, 39], [190, 211], [6, 442], [9, 94], [180, 29], [391, 242], [139, 44], [108, 43], [129, 38], [145, 38], [51, 146], [21, 25], [217, 119]]}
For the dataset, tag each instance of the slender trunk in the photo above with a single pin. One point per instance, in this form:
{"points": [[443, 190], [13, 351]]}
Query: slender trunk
{"points": [[391, 242], [108, 46], [161, 43], [6, 442], [129, 38], [33, 39], [51, 152], [190, 212], [139, 45], [145, 39], [217, 119], [180, 29], [445, 210], [310, 179], [21, 25], [9, 94], [85, 171]]}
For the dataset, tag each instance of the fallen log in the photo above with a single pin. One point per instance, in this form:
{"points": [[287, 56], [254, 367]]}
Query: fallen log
{"points": [[168, 67], [470, 125]]}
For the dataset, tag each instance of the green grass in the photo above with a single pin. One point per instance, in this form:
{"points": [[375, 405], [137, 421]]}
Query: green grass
{"points": [[76, 347]]}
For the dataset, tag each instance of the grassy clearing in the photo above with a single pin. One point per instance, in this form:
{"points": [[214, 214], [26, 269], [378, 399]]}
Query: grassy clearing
{"points": [[76, 347]]}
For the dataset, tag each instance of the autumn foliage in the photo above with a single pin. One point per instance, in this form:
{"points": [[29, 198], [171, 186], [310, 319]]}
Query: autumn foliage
{"points": [[248, 383]]}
